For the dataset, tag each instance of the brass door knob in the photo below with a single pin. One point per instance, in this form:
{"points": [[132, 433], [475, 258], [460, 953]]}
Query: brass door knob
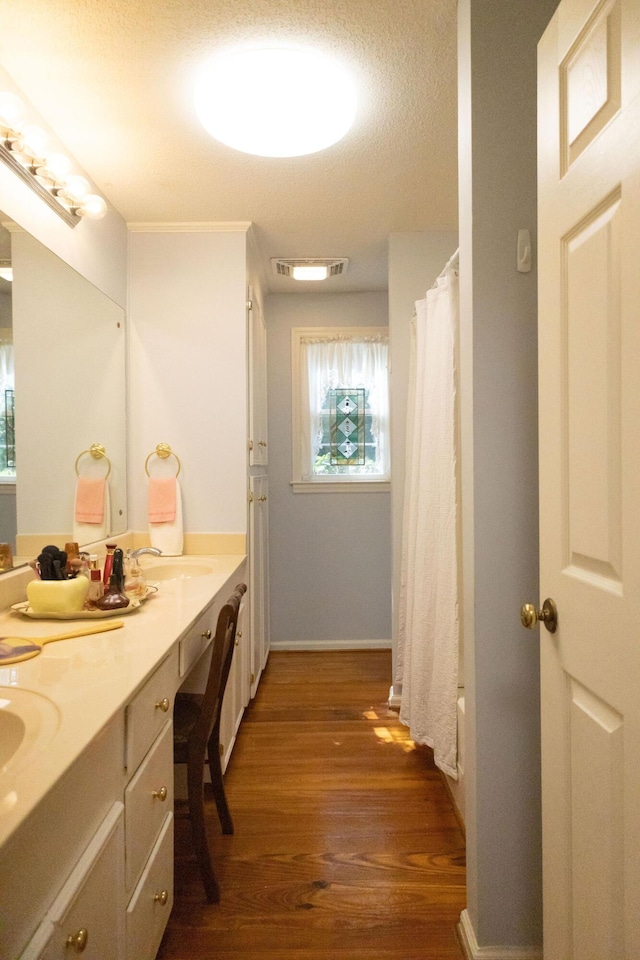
{"points": [[162, 897], [163, 704], [160, 794], [78, 941], [529, 616]]}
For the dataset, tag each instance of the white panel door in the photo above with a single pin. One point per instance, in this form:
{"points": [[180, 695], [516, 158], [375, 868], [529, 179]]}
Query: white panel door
{"points": [[589, 347]]}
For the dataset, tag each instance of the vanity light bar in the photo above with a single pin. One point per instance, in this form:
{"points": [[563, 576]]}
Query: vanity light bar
{"points": [[23, 149]]}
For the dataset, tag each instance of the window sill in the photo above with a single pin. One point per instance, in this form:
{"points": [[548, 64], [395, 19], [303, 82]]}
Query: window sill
{"points": [[340, 486]]}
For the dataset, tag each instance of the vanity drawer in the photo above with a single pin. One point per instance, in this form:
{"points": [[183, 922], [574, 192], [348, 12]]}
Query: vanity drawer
{"points": [[148, 798], [196, 641], [148, 711], [150, 905]]}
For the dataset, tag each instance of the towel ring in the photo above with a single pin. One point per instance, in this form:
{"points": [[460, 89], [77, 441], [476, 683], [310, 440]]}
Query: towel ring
{"points": [[98, 452], [163, 450]]}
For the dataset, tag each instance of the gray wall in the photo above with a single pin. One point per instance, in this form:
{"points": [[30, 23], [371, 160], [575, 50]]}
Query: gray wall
{"points": [[497, 151], [329, 553]]}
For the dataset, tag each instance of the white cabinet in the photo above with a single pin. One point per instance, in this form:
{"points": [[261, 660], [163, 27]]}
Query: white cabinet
{"points": [[149, 810], [258, 576], [258, 450], [87, 915], [150, 905], [237, 693]]}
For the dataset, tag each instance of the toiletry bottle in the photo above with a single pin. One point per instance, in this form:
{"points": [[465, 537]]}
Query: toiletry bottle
{"points": [[108, 564], [135, 585], [117, 569], [72, 551], [113, 598], [96, 588]]}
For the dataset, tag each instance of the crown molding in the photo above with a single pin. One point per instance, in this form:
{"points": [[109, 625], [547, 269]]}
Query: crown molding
{"points": [[239, 226]]}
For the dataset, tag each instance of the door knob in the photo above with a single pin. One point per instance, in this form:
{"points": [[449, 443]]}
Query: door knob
{"points": [[548, 615]]}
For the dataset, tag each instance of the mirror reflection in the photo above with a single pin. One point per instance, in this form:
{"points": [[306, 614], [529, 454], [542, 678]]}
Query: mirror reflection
{"points": [[67, 343]]}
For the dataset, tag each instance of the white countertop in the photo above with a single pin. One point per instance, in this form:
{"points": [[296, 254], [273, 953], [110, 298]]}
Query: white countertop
{"points": [[88, 679]]}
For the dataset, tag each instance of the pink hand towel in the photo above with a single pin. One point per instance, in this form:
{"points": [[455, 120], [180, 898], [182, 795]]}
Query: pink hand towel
{"points": [[162, 499], [90, 493]]}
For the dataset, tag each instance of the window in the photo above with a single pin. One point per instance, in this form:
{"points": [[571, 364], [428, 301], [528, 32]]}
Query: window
{"points": [[7, 415], [340, 408]]}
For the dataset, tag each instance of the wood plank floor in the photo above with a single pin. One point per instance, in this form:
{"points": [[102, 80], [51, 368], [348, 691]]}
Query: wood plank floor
{"points": [[346, 843]]}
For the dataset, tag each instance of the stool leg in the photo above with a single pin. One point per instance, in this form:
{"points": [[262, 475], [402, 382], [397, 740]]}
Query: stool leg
{"points": [[217, 782], [195, 788]]}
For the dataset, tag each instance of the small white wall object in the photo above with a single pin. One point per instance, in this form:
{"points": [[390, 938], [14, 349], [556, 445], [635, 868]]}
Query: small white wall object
{"points": [[524, 252]]}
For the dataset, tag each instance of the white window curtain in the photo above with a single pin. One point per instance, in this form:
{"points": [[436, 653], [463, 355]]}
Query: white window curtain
{"points": [[344, 361], [6, 368]]}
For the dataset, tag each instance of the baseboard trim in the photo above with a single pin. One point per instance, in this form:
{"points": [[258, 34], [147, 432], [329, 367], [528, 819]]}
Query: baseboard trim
{"points": [[474, 952], [330, 645], [395, 696]]}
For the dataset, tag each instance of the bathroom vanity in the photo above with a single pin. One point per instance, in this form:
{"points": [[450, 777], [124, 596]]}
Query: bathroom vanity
{"points": [[86, 785]]}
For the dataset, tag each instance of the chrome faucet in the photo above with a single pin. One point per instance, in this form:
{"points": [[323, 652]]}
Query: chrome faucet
{"points": [[153, 551]]}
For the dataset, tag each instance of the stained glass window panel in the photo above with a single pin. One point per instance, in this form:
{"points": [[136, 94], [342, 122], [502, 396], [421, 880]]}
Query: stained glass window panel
{"points": [[347, 426]]}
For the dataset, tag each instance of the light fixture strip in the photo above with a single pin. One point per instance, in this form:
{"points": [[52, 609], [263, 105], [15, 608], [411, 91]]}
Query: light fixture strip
{"points": [[69, 216]]}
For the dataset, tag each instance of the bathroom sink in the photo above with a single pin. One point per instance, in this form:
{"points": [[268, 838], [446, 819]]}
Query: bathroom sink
{"points": [[176, 571], [28, 722]]}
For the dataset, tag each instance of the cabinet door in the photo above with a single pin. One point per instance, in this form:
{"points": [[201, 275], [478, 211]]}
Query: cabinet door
{"points": [[258, 455], [258, 576], [236, 695], [87, 917]]}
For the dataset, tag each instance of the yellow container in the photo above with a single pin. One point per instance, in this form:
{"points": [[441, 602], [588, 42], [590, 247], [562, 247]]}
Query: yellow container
{"points": [[57, 596]]}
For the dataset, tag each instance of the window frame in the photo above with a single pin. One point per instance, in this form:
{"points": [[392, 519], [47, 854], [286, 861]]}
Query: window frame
{"points": [[330, 483]]}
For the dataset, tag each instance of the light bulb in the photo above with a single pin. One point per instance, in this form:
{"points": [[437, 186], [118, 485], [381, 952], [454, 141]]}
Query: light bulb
{"points": [[75, 189], [11, 111], [55, 168], [93, 207], [32, 142]]}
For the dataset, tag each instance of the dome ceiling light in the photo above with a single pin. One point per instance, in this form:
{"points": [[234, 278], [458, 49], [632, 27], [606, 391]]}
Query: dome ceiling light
{"points": [[276, 101]]}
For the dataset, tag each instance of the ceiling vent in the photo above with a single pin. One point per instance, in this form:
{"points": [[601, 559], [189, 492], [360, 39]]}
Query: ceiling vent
{"points": [[335, 266]]}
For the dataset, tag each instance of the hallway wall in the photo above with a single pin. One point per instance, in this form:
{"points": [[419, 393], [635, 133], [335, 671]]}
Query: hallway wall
{"points": [[498, 306], [330, 553]]}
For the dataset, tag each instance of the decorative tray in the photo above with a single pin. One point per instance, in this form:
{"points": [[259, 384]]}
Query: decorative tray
{"points": [[25, 608]]}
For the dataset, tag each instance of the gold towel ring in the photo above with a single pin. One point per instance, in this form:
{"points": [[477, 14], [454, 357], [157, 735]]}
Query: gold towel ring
{"points": [[163, 450], [98, 452]]}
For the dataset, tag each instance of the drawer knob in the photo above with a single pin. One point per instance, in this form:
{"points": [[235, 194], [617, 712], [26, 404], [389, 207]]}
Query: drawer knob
{"points": [[160, 794], [207, 635], [162, 898], [162, 704], [78, 941]]}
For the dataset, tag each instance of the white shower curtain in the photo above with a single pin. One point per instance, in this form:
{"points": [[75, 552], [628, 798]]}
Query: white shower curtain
{"points": [[427, 662]]}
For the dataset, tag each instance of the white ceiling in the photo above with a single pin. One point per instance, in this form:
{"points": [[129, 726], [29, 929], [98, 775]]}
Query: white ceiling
{"points": [[113, 78]]}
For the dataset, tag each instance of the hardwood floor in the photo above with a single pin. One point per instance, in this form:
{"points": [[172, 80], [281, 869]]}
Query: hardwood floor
{"points": [[346, 844]]}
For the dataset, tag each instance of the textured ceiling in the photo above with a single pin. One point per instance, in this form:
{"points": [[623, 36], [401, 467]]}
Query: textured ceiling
{"points": [[114, 80]]}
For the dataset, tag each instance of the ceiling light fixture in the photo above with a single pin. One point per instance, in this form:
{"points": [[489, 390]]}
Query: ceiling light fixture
{"points": [[276, 101], [310, 268], [23, 148]]}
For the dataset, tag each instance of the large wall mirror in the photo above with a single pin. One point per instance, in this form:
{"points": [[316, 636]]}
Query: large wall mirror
{"points": [[64, 393]]}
